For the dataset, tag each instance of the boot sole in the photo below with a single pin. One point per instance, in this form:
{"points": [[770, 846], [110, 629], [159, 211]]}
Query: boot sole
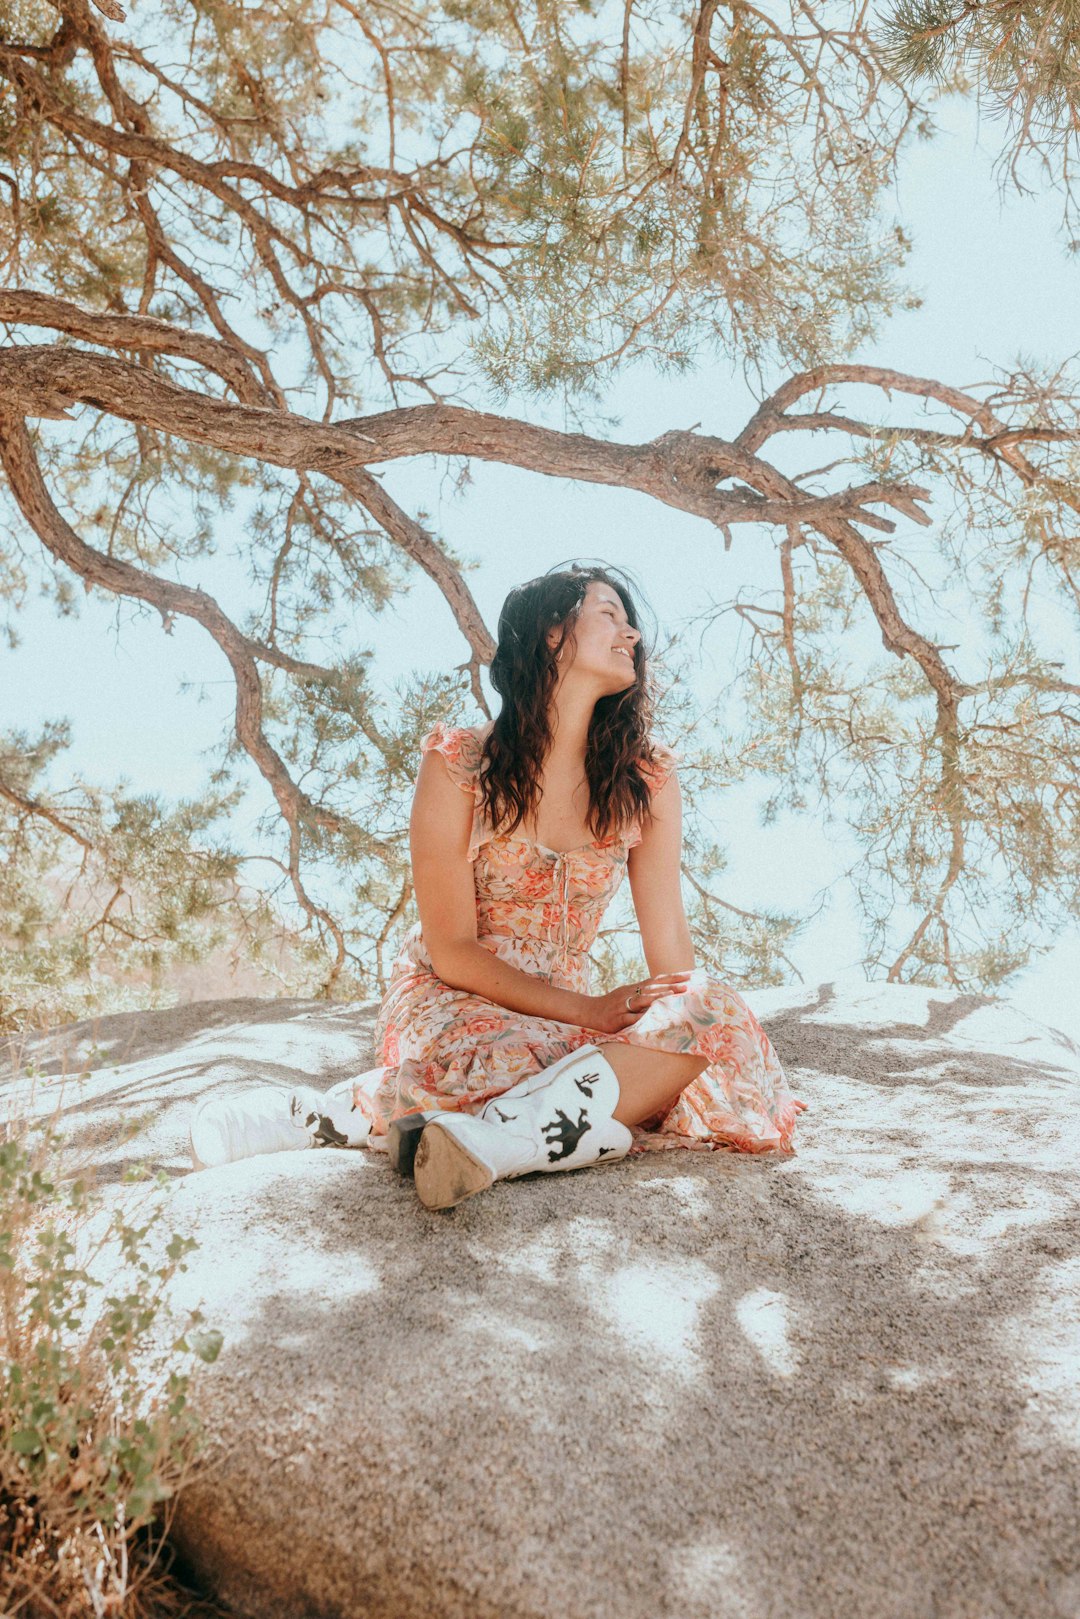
{"points": [[446, 1172]]}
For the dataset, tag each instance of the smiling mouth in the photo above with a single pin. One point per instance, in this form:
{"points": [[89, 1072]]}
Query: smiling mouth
{"points": [[621, 652]]}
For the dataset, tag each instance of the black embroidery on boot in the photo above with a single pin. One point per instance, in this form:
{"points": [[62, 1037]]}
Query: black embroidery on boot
{"points": [[326, 1135], [586, 1082], [563, 1130], [604, 1151], [507, 1118]]}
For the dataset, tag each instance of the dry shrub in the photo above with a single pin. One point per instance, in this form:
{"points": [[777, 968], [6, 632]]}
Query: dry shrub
{"points": [[97, 1437]]}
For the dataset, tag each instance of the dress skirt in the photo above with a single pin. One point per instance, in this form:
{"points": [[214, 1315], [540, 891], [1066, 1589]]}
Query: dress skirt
{"points": [[447, 1048]]}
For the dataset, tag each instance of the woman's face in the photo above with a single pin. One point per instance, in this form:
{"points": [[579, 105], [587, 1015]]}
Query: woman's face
{"points": [[605, 642]]}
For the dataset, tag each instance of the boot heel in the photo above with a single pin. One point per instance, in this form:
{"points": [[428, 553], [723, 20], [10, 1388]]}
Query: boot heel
{"points": [[404, 1138]]}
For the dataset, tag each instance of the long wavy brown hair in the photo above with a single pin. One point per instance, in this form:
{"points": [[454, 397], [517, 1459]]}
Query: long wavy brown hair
{"points": [[524, 672]]}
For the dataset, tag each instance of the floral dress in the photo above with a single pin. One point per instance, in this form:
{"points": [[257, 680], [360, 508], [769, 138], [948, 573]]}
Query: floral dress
{"points": [[540, 909]]}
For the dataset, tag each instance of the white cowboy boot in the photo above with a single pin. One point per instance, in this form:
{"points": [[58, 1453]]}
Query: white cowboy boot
{"points": [[560, 1118], [266, 1118]]}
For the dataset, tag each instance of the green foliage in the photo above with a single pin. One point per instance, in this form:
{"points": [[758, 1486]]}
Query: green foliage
{"points": [[1023, 59], [558, 207], [97, 1432], [476, 200], [973, 847], [101, 893]]}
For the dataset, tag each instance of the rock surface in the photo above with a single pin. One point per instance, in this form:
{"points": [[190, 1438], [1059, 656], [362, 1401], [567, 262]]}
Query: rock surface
{"points": [[704, 1386]]}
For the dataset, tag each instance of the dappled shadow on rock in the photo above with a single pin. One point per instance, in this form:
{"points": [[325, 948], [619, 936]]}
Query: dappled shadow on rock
{"points": [[818, 1038], [682, 1386], [686, 1385], [127, 1086], [132, 1037]]}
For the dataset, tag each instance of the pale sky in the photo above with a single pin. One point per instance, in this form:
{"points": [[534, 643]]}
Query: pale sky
{"points": [[998, 285]]}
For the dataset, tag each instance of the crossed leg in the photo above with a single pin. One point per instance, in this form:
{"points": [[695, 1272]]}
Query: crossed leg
{"points": [[650, 1082]]}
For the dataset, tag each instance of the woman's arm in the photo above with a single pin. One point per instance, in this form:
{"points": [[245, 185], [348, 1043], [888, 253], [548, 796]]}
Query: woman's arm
{"points": [[439, 829], [654, 870]]}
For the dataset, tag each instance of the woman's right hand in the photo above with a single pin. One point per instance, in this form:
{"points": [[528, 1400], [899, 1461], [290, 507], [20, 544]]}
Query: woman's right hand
{"points": [[610, 1014]]}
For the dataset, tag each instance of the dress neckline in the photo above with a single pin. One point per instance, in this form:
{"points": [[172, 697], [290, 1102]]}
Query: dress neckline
{"points": [[513, 837], [546, 849]]}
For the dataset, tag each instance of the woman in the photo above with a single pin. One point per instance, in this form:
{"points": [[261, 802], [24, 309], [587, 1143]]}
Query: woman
{"points": [[497, 1059]]}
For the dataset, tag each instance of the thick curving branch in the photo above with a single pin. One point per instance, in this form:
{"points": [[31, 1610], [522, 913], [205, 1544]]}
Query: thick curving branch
{"points": [[681, 469], [141, 333]]}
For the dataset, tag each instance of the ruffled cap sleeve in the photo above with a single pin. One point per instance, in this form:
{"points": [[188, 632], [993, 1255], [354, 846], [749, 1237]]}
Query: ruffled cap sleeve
{"points": [[462, 749], [664, 763]]}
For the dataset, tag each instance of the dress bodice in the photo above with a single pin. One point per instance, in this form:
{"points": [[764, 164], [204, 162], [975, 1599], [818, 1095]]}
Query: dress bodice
{"points": [[537, 908]]}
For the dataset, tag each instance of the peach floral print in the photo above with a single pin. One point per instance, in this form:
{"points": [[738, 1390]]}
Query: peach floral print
{"points": [[540, 910]]}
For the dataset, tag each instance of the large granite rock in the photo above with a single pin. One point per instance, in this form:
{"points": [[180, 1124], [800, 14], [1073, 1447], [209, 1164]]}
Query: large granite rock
{"points": [[841, 1385]]}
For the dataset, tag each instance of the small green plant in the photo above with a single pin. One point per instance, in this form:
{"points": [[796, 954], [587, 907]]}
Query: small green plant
{"points": [[96, 1433]]}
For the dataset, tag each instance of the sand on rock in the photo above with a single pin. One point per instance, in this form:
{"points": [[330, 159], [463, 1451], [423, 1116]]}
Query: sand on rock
{"points": [[706, 1386]]}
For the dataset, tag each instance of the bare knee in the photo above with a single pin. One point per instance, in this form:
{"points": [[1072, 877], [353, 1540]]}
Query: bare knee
{"points": [[650, 1081]]}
